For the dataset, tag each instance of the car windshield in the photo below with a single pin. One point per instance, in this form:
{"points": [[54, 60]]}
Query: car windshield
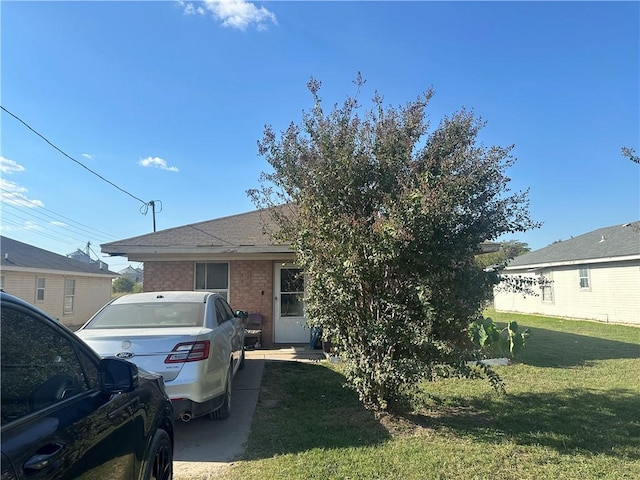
{"points": [[149, 315]]}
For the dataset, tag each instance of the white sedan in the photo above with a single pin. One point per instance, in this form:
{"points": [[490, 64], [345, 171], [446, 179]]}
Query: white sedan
{"points": [[193, 339]]}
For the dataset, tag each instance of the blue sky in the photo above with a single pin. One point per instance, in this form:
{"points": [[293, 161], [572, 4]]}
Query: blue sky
{"points": [[167, 100]]}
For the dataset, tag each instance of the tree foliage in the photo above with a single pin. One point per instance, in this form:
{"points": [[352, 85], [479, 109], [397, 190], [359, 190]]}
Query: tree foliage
{"points": [[386, 218], [123, 284], [508, 250], [630, 153]]}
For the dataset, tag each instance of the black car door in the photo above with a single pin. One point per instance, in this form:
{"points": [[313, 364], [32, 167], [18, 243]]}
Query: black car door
{"points": [[56, 422]]}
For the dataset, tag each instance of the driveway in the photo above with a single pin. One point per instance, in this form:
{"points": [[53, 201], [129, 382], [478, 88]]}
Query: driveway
{"points": [[203, 447]]}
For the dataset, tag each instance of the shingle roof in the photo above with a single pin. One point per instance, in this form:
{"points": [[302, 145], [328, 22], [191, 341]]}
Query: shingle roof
{"points": [[249, 232], [18, 254], [244, 231], [609, 242]]}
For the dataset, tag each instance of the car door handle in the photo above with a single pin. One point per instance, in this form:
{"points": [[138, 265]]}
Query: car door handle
{"points": [[43, 458], [122, 411]]}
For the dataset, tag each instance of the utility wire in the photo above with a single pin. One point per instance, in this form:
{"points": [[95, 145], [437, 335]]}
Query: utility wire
{"points": [[70, 157], [70, 229], [213, 236], [10, 199], [41, 231]]}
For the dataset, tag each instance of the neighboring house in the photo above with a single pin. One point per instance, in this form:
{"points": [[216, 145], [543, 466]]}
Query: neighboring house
{"points": [[234, 256], [133, 274], [67, 289], [86, 258], [593, 276]]}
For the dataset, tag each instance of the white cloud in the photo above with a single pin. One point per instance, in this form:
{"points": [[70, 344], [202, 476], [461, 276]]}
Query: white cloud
{"points": [[12, 193], [58, 224], [29, 225], [9, 166], [87, 156], [157, 162], [238, 14]]}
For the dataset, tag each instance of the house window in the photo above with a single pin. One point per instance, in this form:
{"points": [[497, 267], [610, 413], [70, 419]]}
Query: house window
{"points": [[584, 278], [213, 277], [69, 295], [547, 286], [40, 282]]}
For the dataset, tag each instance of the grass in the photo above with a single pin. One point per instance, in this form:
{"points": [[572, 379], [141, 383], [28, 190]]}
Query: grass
{"points": [[572, 411]]}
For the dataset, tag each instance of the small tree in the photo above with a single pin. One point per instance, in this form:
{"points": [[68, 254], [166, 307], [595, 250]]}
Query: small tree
{"points": [[386, 225], [123, 285]]}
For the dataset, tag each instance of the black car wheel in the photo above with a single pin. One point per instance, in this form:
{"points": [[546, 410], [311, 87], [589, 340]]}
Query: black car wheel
{"points": [[160, 463], [225, 410]]}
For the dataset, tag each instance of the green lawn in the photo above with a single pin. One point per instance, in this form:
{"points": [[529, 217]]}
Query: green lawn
{"points": [[572, 411]]}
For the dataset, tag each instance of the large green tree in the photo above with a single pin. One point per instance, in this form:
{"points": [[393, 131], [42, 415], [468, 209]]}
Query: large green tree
{"points": [[386, 217]]}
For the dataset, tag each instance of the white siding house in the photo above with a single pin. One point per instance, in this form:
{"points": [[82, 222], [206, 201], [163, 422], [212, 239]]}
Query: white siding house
{"points": [[67, 289], [593, 276]]}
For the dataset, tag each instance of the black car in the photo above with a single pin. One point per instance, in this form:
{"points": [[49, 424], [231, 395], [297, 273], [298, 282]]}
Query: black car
{"points": [[67, 414]]}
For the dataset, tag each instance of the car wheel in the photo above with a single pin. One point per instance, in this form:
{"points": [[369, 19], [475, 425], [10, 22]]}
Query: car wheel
{"points": [[160, 462], [225, 410], [241, 366]]}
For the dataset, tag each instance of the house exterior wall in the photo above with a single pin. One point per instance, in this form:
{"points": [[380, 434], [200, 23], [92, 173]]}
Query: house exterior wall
{"points": [[251, 289], [613, 294], [250, 285], [91, 293], [176, 275]]}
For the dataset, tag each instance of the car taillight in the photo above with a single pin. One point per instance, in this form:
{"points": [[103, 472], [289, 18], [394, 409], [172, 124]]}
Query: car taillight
{"points": [[188, 352]]}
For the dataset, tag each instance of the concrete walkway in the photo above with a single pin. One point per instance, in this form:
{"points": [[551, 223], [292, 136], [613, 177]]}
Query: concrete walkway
{"points": [[204, 447]]}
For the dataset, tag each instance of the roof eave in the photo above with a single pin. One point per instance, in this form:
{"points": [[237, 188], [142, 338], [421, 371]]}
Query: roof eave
{"points": [[539, 265]]}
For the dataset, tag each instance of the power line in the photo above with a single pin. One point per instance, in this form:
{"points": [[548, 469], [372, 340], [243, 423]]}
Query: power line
{"points": [[70, 229], [212, 235], [70, 157], [42, 230], [11, 197]]}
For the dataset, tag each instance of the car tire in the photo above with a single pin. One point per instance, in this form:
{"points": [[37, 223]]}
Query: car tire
{"points": [[242, 359], [224, 411], [160, 462]]}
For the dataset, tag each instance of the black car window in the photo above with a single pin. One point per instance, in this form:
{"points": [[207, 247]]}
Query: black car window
{"points": [[39, 365], [220, 313], [227, 309]]}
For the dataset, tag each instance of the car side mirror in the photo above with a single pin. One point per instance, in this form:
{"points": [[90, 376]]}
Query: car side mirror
{"points": [[242, 314], [117, 376]]}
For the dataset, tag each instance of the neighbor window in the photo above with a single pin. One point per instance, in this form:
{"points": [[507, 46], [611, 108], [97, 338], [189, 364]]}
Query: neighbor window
{"points": [[69, 295], [584, 278], [547, 286], [213, 277], [40, 281]]}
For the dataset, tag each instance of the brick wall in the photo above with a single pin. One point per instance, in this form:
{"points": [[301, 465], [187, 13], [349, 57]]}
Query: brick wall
{"points": [[168, 276], [250, 286], [251, 289]]}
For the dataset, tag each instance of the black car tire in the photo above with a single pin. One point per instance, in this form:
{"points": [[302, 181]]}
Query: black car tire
{"points": [[241, 366], [224, 411], [160, 462]]}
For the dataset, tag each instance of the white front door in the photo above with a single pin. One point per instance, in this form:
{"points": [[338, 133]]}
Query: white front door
{"points": [[290, 325]]}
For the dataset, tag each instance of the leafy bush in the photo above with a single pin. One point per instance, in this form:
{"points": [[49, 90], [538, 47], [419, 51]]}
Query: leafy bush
{"points": [[490, 338]]}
